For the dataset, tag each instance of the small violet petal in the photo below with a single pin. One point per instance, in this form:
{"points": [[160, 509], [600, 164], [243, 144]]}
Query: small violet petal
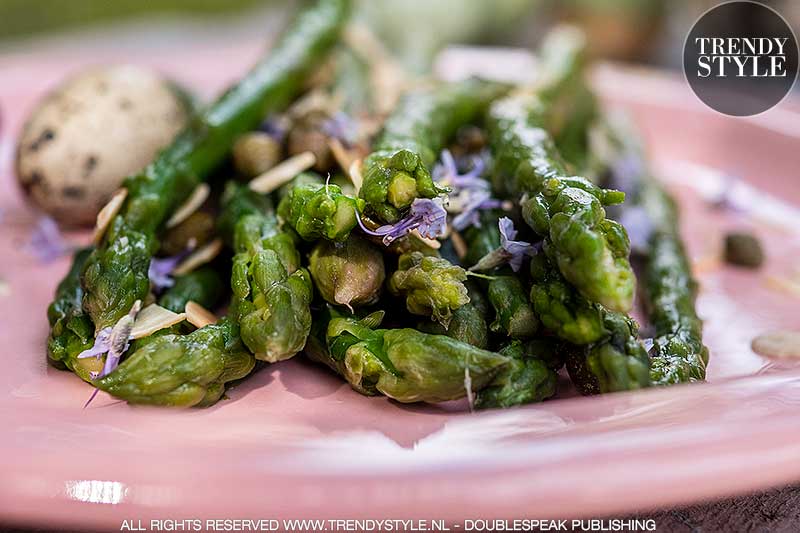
{"points": [[516, 250], [340, 126], [447, 171], [638, 225], [161, 268], [102, 343], [274, 127], [427, 215], [46, 242], [432, 216]]}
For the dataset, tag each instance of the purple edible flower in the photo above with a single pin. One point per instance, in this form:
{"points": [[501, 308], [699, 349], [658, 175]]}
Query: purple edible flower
{"points": [[510, 251], [112, 342], [471, 203], [275, 127], [426, 215], [340, 126], [160, 269], [447, 173], [515, 250], [626, 173], [46, 242], [469, 192], [639, 226]]}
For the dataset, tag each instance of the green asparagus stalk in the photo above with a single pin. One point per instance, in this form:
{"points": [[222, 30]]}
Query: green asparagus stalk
{"points": [[320, 210], [561, 309], [619, 363], [482, 240], [678, 354], [468, 323], [404, 364], [71, 329], [271, 292], [349, 273], [398, 170], [513, 313], [181, 370], [203, 286], [589, 250], [526, 379], [432, 286], [571, 105], [116, 273]]}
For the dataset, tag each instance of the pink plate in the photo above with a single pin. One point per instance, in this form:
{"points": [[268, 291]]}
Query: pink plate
{"points": [[294, 441]]}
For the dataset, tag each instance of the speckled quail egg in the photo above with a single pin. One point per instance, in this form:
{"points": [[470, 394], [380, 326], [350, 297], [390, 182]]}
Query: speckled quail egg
{"points": [[84, 138]]}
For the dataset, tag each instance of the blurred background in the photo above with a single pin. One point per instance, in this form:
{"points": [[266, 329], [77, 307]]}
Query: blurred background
{"points": [[645, 31]]}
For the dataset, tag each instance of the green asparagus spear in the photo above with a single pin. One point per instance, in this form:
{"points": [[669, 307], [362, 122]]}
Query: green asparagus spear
{"points": [[468, 323], [320, 210], [514, 316], [271, 292], [203, 286], [181, 370], [116, 274], [507, 295], [398, 170], [590, 251], [71, 330], [349, 273], [405, 364], [571, 105], [562, 58], [561, 309], [552, 351], [432, 286], [526, 379], [619, 363], [679, 355]]}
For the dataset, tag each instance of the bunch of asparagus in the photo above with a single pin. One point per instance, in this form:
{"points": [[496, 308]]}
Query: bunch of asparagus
{"points": [[469, 255]]}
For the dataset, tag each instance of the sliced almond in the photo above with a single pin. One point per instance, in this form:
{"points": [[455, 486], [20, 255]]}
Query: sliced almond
{"points": [[354, 172], [431, 243], [363, 41], [780, 344], [784, 285], [388, 83], [201, 256], [199, 316], [107, 214], [154, 318], [387, 78], [459, 244], [193, 203], [706, 264], [283, 172], [343, 156]]}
